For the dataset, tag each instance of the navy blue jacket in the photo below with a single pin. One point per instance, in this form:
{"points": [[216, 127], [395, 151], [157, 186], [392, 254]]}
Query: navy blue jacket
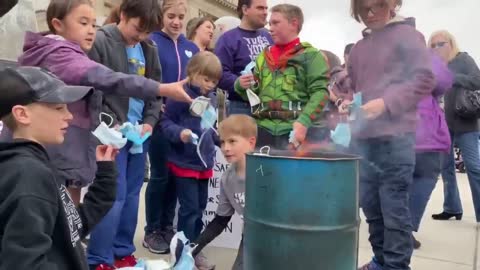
{"points": [[176, 118]]}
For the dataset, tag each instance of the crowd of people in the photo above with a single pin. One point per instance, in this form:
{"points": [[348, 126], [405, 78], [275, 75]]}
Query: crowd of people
{"points": [[86, 106]]}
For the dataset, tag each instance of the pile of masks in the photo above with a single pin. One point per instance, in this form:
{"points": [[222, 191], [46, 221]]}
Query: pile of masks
{"points": [[181, 257], [118, 137]]}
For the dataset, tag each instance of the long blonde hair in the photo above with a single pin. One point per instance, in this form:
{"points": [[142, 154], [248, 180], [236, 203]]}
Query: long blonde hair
{"points": [[451, 39]]}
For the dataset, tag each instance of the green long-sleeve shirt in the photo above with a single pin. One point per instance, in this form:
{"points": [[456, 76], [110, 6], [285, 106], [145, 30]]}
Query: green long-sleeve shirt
{"points": [[301, 86]]}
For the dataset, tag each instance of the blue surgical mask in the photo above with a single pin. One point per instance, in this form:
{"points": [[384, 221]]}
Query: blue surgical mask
{"points": [[109, 136], [133, 133], [185, 261], [209, 117], [341, 135]]}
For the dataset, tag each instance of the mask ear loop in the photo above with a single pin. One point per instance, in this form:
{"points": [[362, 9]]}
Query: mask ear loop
{"points": [[198, 149], [108, 115]]}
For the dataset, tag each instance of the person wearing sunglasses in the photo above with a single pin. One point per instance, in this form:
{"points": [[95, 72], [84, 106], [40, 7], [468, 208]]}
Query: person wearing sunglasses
{"points": [[464, 131]]}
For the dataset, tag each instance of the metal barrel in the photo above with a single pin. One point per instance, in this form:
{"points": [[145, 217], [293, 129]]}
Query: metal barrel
{"points": [[301, 212]]}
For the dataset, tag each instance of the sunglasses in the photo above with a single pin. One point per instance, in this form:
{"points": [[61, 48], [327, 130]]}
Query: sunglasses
{"points": [[439, 44]]}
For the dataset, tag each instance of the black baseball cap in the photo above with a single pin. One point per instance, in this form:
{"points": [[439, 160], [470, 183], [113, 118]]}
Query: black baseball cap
{"points": [[26, 85]]}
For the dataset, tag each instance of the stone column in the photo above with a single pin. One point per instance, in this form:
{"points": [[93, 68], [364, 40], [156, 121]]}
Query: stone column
{"points": [[13, 26]]}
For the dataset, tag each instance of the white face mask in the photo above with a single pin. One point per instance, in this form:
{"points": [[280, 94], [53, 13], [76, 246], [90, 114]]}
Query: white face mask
{"points": [[109, 136]]}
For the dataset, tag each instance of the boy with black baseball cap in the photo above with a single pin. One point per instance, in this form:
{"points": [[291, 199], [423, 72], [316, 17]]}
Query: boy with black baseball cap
{"points": [[40, 228]]}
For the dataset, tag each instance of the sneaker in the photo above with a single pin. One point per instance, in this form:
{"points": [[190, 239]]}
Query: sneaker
{"points": [[168, 233], [101, 267], [155, 243], [202, 263], [372, 265], [127, 261]]}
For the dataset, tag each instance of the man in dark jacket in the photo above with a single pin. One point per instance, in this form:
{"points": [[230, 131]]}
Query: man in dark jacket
{"points": [[40, 228], [124, 47]]}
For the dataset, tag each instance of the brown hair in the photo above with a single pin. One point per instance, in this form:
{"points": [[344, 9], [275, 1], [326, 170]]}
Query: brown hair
{"points": [[59, 9], [113, 17], [291, 12], [205, 63], [241, 3], [148, 11], [238, 124], [356, 6], [194, 24], [167, 4]]}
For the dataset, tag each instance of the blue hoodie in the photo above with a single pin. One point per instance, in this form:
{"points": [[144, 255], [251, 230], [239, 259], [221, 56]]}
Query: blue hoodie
{"points": [[173, 56]]}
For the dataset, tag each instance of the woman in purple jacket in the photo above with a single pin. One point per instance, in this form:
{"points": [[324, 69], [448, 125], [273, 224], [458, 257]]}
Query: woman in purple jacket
{"points": [[391, 68], [432, 142]]}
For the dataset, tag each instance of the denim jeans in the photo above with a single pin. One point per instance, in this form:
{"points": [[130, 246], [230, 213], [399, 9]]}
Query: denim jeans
{"points": [[160, 195], [113, 236], [468, 145], [428, 166], [238, 107], [193, 197], [386, 174]]}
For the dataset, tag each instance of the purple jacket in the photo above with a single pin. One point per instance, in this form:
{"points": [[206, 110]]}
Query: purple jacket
{"points": [[75, 158], [432, 132], [393, 64]]}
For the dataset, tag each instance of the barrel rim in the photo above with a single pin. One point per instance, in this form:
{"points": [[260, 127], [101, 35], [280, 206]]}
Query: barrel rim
{"points": [[341, 156]]}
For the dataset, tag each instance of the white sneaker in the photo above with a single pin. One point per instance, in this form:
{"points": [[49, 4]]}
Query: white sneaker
{"points": [[202, 263]]}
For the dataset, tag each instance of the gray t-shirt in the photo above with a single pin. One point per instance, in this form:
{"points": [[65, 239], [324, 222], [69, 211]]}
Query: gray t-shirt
{"points": [[232, 193]]}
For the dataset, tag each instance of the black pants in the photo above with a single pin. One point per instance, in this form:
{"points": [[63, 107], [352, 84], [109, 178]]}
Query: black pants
{"points": [[265, 138]]}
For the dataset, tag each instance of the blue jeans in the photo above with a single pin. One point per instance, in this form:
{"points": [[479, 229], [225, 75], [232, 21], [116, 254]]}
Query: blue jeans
{"points": [[113, 236], [160, 195], [428, 166], [468, 145], [238, 107], [193, 197], [386, 174]]}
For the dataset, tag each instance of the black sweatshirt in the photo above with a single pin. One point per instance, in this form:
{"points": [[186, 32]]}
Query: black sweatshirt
{"points": [[40, 228]]}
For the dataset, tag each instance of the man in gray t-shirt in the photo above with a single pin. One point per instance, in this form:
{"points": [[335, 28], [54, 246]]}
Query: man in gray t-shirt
{"points": [[231, 200]]}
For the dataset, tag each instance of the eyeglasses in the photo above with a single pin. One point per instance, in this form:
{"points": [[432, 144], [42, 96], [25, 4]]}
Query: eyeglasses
{"points": [[439, 44], [374, 9]]}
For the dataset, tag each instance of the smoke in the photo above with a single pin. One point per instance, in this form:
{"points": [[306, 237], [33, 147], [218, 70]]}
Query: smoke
{"points": [[328, 24]]}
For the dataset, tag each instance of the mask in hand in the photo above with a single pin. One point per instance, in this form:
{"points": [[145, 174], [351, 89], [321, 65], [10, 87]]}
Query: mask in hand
{"points": [[209, 117], [355, 107], [133, 133], [341, 135], [199, 106], [109, 136]]}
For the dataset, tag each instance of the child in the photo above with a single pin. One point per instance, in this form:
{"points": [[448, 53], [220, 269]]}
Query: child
{"points": [[238, 134], [160, 194], [391, 67], [191, 165], [126, 41], [72, 27], [40, 227], [290, 79]]}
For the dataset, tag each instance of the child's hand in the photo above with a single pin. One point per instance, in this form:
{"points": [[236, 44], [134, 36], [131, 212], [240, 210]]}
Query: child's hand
{"points": [[299, 131], [146, 128], [246, 81], [374, 108], [106, 153], [344, 108], [186, 136]]}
